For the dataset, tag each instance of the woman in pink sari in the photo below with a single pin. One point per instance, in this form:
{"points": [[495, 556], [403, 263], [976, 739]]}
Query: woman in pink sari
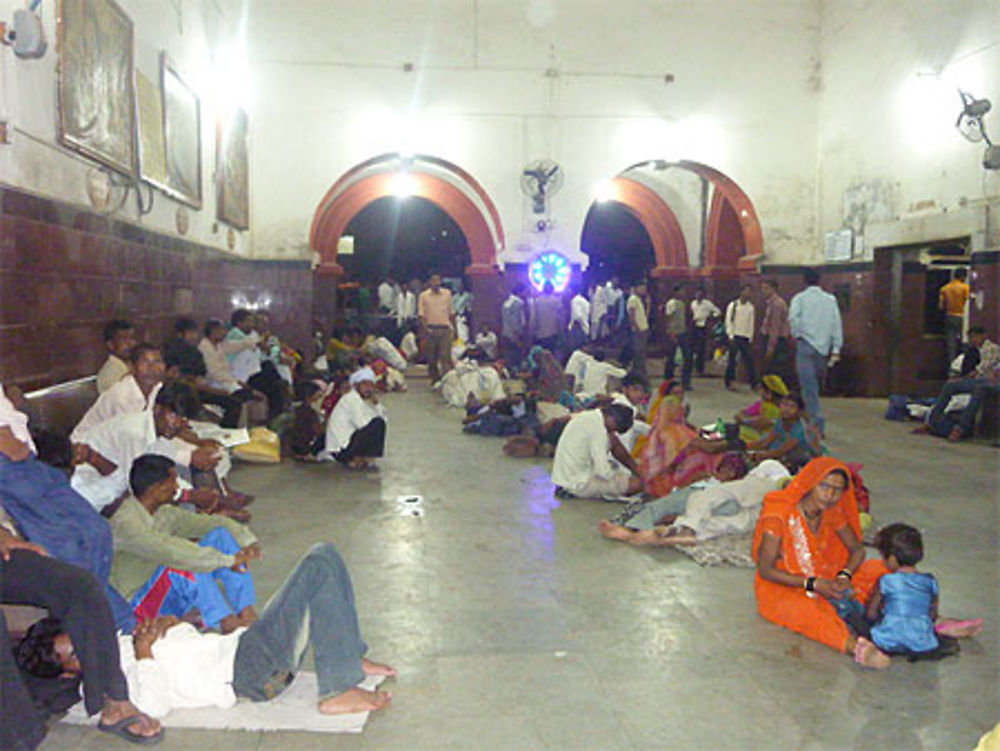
{"points": [[675, 455]]}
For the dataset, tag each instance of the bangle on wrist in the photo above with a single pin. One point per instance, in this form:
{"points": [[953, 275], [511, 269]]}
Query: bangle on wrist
{"points": [[844, 574], [809, 584]]}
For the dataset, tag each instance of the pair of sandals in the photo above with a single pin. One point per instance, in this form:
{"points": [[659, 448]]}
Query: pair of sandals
{"points": [[121, 730]]}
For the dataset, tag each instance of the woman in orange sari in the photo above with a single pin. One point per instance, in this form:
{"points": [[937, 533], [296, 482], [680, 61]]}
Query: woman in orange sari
{"points": [[675, 455], [809, 555]]}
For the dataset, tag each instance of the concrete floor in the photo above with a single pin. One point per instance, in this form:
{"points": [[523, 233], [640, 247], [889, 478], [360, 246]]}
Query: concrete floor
{"points": [[516, 626]]}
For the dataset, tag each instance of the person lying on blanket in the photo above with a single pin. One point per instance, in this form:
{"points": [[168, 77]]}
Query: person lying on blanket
{"points": [[170, 665]]}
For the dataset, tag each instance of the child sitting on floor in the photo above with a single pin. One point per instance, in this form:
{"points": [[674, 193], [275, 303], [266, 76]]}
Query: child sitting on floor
{"points": [[904, 607]]}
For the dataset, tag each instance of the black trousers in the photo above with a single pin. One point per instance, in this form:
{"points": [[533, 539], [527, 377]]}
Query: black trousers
{"points": [[269, 383], [740, 346], [232, 405], [683, 341], [699, 335], [781, 361], [367, 442], [75, 597]]}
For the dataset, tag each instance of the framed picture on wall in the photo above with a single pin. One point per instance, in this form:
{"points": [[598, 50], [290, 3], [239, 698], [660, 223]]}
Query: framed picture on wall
{"points": [[181, 135], [152, 150], [96, 89], [233, 170]]}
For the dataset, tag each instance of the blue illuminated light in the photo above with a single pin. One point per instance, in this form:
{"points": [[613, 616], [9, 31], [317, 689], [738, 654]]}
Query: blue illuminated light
{"points": [[550, 267]]}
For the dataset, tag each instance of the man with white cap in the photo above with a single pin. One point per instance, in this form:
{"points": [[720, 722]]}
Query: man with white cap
{"points": [[355, 432]]}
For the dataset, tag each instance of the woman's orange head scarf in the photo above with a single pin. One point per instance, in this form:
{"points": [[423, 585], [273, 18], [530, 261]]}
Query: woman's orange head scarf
{"points": [[780, 502]]}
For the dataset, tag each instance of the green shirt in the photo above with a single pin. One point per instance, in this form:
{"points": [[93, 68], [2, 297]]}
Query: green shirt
{"points": [[144, 541]]}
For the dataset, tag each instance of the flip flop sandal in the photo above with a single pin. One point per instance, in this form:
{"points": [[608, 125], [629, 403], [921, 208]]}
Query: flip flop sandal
{"points": [[121, 727]]}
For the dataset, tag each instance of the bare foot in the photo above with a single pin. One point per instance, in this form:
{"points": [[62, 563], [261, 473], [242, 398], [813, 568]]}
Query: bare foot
{"points": [[116, 711], [248, 615], [376, 668], [922, 429], [355, 700], [955, 435], [645, 537], [230, 623], [614, 531], [868, 655], [959, 629], [679, 536]]}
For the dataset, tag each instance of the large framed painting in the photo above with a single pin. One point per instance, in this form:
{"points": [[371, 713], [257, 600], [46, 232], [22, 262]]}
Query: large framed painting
{"points": [[96, 89], [152, 150], [233, 170], [182, 135]]}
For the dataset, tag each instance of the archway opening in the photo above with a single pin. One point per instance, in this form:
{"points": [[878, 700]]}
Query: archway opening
{"points": [[404, 238], [617, 244]]}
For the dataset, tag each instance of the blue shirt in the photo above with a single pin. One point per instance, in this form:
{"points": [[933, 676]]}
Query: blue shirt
{"points": [[815, 317]]}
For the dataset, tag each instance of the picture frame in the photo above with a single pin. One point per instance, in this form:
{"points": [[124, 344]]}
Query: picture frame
{"points": [[181, 135], [233, 169], [96, 83], [152, 149]]}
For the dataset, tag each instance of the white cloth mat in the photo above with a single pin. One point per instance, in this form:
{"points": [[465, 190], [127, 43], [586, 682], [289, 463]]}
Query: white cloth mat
{"points": [[293, 709]]}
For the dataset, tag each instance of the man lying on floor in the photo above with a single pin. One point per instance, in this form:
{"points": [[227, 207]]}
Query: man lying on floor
{"points": [[169, 665], [159, 567], [582, 467], [729, 504]]}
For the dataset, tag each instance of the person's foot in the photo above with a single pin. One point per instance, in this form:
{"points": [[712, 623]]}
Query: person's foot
{"points": [[236, 514], [959, 629], [614, 531], [248, 615], [868, 655], [645, 537], [922, 429], [355, 700], [677, 536], [955, 435], [376, 668], [230, 623], [144, 728], [238, 499]]}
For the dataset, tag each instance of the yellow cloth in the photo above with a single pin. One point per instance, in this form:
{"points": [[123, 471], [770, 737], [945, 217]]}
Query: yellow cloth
{"points": [[990, 741], [775, 384], [264, 447]]}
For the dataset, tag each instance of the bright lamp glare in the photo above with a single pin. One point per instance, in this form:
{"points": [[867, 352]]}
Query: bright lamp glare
{"points": [[550, 267], [403, 185], [606, 191]]}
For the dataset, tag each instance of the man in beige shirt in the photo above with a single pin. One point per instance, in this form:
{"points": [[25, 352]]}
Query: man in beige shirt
{"points": [[638, 327], [437, 319], [119, 339]]}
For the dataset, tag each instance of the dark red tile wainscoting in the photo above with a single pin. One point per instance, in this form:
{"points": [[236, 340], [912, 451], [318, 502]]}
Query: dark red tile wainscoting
{"points": [[65, 271]]}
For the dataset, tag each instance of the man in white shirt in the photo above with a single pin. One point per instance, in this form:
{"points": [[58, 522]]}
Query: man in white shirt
{"points": [[633, 395], [355, 432], [579, 320], [739, 329], [246, 361], [133, 393], [104, 456], [406, 305], [169, 665], [638, 326], [386, 297], [583, 467], [703, 311], [576, 366], [598, 309], [597, 375], [119, 338], [514, 327]]}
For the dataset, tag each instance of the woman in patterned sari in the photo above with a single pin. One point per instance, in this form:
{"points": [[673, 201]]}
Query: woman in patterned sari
{"points": [[811, 568]]}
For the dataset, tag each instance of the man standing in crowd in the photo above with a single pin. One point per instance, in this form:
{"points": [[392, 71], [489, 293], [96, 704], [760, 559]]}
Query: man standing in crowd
{"points": [[739, 329], [514, 325], [952, 300], [677, 337], [638, 325], [547, 321], [814, 318], [579, 320], [703, 311], [119, 338], [437, 318], [776, 332]]}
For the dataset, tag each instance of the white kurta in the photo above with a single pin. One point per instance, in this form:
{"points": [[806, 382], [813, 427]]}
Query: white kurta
{"points": [[579, 312], [350, 414], [125, 396], [482, 380], [598, 309], [13, 418], [219, 374], [379, 346], [639, 427], [242, 353], [583, 455], [121, 440], [112, 371], [576, 366], [188, 670], [595, 380]]}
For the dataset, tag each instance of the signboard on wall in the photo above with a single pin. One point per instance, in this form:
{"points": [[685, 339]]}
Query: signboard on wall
{"points": [[839, 245]]}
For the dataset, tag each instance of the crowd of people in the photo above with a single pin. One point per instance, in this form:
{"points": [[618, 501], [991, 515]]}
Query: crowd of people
{"points": [[129, 532]]}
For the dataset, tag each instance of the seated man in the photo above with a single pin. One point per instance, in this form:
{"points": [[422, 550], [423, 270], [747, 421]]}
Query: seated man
{"points": [[634, 395], [169, 665], [106, 451], [186, 362], [515, 415], [119, 338], [71, 594], [583, 468], [597, 375], [355, 432], [132, 393], [984, 380], [725, 505], [49, 512], [247, 363], [307, 436], [161, 570]]}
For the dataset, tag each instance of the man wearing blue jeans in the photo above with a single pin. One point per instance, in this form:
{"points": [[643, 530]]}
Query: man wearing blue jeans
{"points": [[985, 379], [814, 318]]}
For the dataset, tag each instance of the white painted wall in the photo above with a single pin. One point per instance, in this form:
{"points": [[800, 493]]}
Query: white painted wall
{"points": [[888, 149], [190, 31], [330, 91]]}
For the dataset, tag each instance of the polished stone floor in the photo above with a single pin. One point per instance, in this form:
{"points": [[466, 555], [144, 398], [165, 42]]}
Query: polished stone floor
{"points": [[516, 626]]}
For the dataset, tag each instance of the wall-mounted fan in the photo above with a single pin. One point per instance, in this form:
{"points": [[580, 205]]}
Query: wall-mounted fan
{"points": [[540, 180], [970, 125]]}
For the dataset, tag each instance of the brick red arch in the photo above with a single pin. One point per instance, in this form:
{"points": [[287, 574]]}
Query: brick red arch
{"points": [[346, 199]]}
